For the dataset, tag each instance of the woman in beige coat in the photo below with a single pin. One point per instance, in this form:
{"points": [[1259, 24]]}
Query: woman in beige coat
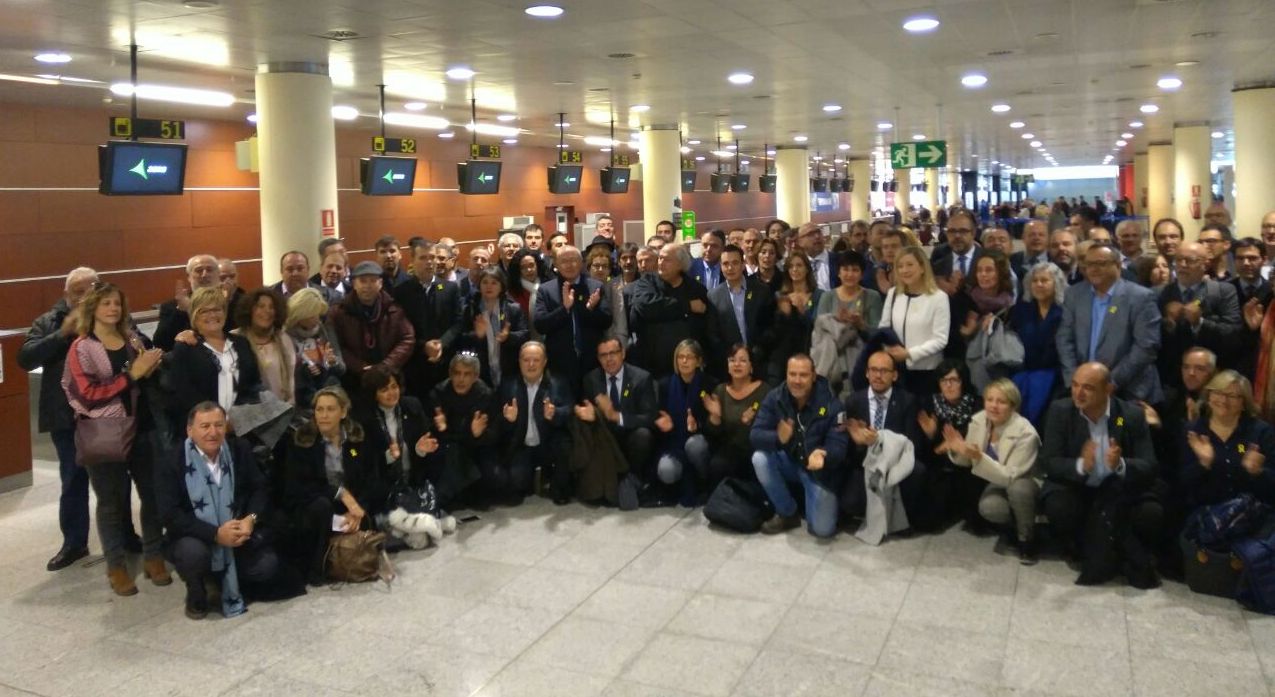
{"points": [[1001, 447]]}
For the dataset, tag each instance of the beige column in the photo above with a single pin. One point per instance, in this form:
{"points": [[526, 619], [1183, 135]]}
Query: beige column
{"points": [[903, 197], [932, 189], [659, 149], [861, 171], [1192, 190], [1140, 183], [297, 144], [792, 184], [1159, 181], [1254, 114], [953, 187]]}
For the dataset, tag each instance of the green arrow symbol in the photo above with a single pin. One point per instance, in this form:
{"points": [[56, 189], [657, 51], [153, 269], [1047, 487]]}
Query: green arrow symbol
{"points": [[140, 169], [931, 153], [389, 176], [484, 178]]}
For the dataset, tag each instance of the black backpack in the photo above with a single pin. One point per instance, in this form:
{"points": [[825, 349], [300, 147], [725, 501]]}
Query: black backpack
{"points": [[738, 504]]}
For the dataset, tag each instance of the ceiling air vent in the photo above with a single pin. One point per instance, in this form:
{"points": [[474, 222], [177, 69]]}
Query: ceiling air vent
{"points": [[340, 35]]}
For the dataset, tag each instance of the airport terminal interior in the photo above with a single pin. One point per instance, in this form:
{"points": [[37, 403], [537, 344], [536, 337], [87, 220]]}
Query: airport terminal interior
{"points": [[481, 188]]}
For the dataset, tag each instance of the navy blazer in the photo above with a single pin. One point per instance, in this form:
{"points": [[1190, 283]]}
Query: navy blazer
{"points": [[699, 271], [900, 417], [1221, 326], [1129, 342], [637, 395], [943, 260], [816, 425], [554, 322], [514, 435], [723, 329], [1067, 431]]}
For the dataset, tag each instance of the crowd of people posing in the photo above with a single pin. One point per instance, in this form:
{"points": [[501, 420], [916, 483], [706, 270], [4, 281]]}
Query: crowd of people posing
{"points": [[865, 385]]}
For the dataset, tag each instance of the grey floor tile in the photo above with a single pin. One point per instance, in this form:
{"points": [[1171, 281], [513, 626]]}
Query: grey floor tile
{"points": [[345, 660], [836, 588], [267, 684], [673, 568], [559, 591], [588, 646], [981, 611], [729, 619], [701, 666], [524, 679], [1056, 669], [1073, 623], [470, 579], [626, 688], [777, 672], [1160, 676], [786, 550], [888, 683], [824, 631], [744, 578], [588, 555], [428, 614], [634, 604], [944, 653], [1196, 628], [499, 630], [436, 671]]}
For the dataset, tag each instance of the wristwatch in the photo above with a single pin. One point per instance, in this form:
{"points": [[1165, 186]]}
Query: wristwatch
{"points": [[253, 518]]}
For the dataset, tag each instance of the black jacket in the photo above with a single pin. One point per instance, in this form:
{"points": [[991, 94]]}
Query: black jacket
{"points": [[513, 436], [900, 417], [307, 477], [943, 260], [723, 330], [191, 373], [1244, 353], [638, 403], [511, 313], [173, 321], [1227, 478], [1220, 327], [817, 425], [1066, 433], [554, 323], [413, 423], [434, 309], [661, 318], [175, 509], [46, 347]]}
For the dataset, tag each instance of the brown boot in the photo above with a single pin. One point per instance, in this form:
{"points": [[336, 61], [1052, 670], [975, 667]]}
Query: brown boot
{"points": [[156, 571], [121, 581]]}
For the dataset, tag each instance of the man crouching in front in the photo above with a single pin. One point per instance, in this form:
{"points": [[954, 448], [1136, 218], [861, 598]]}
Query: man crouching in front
{"points": [[798, 441]]}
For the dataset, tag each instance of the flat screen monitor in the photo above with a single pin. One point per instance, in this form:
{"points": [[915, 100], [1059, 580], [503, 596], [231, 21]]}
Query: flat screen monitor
{"points": [[565, 179], [847, 185], [478, 177], [688, 180], [615, 180], [720, 182], [739, 183], [141, 169], [834, 184], [387, 176], [819, 184], [766, 183]]}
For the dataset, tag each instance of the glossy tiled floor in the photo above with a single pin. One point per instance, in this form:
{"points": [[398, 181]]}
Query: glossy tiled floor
{"points": [[574, 601]]}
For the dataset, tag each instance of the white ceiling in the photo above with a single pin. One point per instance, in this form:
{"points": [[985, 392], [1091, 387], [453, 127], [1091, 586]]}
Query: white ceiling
{"points": [[1075, 71]]}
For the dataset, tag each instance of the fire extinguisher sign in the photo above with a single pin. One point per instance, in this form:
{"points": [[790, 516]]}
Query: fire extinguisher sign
{"points": [[1195, 201]]}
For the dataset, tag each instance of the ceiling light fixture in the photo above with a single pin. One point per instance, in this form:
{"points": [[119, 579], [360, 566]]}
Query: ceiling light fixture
{"points": [[562, 124], [342, 112], [252, 118], [831, 108], [1035, 144], [918, 136], [699, 158], [1148, 108], [770, 152], [415, 106], [1218, 134], [447, 135], [53, 57], [1127, 136], [1187, 63], [460, 72], [640, 107], [544, 11], [1001, 108], [182, 95], [738, 127], [1017, 124], [507, 117], [921, 25], [1028, 136], [685, 150], [433, 123], [843, 146], [974, 80], [739, 78], [884, 126], [694, 142], [1169, 83], [491, 129], [510, 141], [599, 140], [1121, 143], [1135, 124], [800, 139]]}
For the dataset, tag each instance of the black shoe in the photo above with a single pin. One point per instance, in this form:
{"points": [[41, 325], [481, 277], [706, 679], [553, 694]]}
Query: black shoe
{"points": [[1142, 578], [1027, 554], [1090, 577], [132, 543], [66, 557], [196, 611], [561, 499], [779, 523]]}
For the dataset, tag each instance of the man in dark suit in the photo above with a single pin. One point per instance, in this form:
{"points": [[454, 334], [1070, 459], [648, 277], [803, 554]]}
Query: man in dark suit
{"points": [[622, 396], [571, 315], [743, 311], [534, 407], [1129, 239], [1253, 293], [1062, 252], [294, 274], [201, 272], [823, 263], [1114, 322], [390, 256], [667, 308], [1100, 466], [707, 270], [1197, 311], [433, 306], [884, 405], [1035, 251], [959, 254]]}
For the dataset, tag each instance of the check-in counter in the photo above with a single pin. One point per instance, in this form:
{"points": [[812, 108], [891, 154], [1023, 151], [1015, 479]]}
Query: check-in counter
{"points": [[15, 415]]}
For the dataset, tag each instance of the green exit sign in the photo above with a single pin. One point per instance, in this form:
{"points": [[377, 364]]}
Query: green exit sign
{"points": [[925, 154]]}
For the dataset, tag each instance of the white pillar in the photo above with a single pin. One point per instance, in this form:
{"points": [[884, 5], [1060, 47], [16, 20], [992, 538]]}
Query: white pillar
{"points": [[1192, 180], [1159, 181], [792, 185], [861, 172], [903, 196], [1253, 110], [1140, 183], [298, 159], [932, 189], [953, 187], [660, 150]]}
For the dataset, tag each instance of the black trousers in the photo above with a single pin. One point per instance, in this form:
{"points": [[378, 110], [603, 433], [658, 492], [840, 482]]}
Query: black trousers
{"points": [[255, 563], [1106, 525], [316, 529], [637, 445], [552, 456]]}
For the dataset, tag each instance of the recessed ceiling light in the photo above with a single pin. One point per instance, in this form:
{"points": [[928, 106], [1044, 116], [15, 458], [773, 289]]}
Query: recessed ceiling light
{"points": [[507, 117], [1028, 136], [415, 106], [996, 162], [732, 147], [800, 139], [53, 57], [491, 129], [183, 95], [699, 158], [694, 142], [918, 136], [920, 25], [1035, 144], [1017, 124], [510, 141], [1121, 143], [1169, 83], [1127, 136], [252, 118], [460, 72], [843, 146], [1218, 134], [447, 135], [685, 150], [738, 127], [832, 108], [1148, 108], [563, 83], [770, 152], [342, 112], [598, 140], [884, 126], [743, 162], [739, 78], [544, 11], [604, 149], [1000, 108], [974, 80], [1135, 124], [436, 123], [640, 107], [1187, 63]]}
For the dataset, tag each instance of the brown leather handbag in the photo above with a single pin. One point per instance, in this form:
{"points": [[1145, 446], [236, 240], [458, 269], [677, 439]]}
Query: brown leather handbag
{"points": [[104, 440], [356, 557]]}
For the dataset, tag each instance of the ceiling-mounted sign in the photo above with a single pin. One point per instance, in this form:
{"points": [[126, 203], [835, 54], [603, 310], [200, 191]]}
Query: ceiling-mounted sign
{"points": [[924, 154], [383, 144], [127, 127], [490, 152], [620, 160], [570, 157]]}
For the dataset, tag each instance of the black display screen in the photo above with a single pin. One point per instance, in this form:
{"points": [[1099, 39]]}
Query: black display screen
{"points": [[479, 177], [565, 179], [387, 176], [141, 169]]}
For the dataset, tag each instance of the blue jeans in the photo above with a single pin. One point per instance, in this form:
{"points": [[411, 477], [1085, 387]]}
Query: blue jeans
{"points": [[73, 504], [777, 473]]}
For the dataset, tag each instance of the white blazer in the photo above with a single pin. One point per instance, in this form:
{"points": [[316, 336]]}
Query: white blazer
{"points": [[922, 323], [1017, 448]]}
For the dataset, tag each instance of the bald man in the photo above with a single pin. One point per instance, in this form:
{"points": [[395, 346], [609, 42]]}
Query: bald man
{"points": [[202, 271], [572, 314], [1197, 311]]}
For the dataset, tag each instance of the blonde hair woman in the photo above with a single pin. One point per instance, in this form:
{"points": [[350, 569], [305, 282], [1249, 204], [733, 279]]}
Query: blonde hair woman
{"points": [[317, 346], [920, 316]]}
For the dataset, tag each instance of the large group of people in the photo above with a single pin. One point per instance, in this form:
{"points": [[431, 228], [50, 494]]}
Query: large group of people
{"points": [[860, 382]]}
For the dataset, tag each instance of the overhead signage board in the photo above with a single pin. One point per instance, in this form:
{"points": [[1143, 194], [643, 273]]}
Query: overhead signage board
{"points": [[924, 154], [162, 129], [570, 157], [403, 145], [490, 152]]}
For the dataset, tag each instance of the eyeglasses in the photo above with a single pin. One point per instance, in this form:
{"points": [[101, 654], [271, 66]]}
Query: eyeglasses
{"points": [[1226, 395], [960, 231], [950, 380]]}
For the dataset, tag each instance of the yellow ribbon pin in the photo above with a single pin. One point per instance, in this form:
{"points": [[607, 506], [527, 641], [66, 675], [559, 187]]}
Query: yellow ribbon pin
{"points": [[703, 394], [440, 286], [1111, 310], [1240, 448], [756, 406], [626, 392], [823, 411], [1119, 420], [749, 296], [354, 453]]}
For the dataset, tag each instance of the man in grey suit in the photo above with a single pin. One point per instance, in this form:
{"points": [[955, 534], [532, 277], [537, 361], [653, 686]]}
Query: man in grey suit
{"points": [[1196, 311], [742, 311], [1111, 321]]}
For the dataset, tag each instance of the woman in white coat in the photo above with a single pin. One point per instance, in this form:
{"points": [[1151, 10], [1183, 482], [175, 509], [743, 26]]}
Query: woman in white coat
{"points": [[919, 314], [1001, 447]]}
